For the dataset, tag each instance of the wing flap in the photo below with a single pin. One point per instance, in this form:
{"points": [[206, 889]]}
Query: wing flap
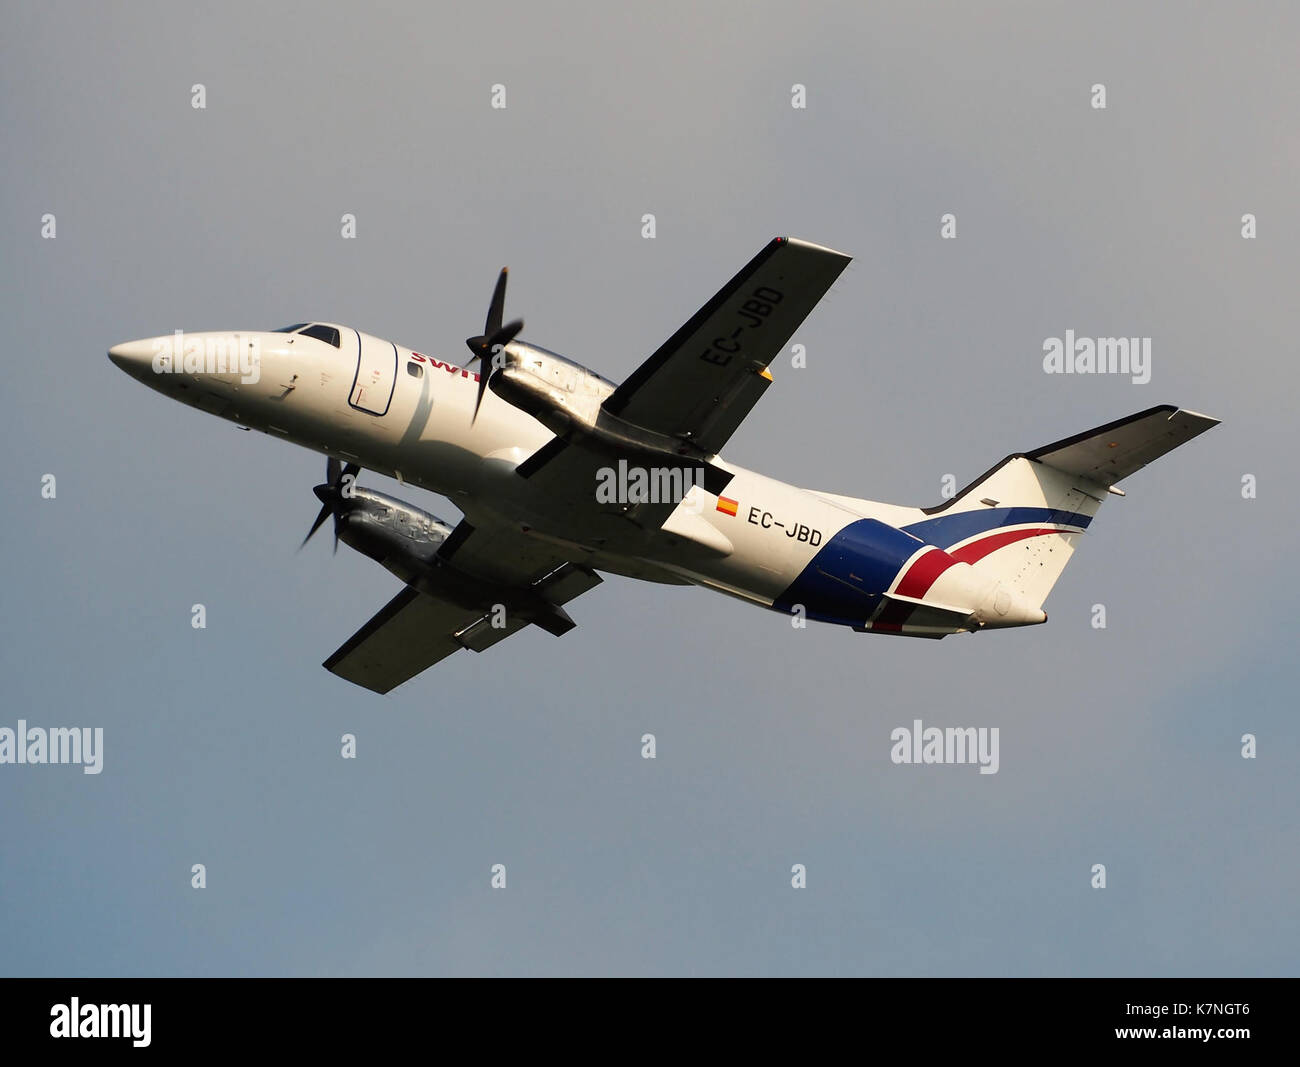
{"points": [[499, 553], [483, 633]]}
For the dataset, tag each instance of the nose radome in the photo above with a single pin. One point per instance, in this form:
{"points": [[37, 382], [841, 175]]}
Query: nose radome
{"points": [[133, 356]]}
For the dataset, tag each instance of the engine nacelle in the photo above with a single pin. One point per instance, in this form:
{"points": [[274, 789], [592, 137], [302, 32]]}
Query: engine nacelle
{"points": [[566, 398], [558, 393], [406, 540], [399, 535]]}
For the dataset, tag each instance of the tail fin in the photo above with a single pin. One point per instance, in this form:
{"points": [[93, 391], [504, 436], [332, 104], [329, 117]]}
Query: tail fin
{"points": [[1019, 521]]}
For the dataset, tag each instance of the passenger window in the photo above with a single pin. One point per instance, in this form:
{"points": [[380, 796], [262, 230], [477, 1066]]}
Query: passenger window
{"points": [[415, 370], [328, 334]]}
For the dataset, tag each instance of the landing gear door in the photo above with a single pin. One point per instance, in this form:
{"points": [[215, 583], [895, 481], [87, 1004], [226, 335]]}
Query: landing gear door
{"points": [[372, 388]]}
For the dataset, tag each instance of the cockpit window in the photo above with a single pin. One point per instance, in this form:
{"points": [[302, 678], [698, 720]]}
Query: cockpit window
{"points": [[328, 334], [290, 329]]}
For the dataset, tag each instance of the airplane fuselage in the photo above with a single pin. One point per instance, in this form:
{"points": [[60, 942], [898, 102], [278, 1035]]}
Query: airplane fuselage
{"points": [[562, 474], [408, 415]]}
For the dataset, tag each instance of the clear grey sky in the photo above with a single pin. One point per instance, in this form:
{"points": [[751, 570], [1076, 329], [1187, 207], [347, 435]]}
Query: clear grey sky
{"points": [[1119, 746]]}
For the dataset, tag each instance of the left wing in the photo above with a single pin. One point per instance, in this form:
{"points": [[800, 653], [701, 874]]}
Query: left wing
{"points": [[707, 377], [694, 391]]}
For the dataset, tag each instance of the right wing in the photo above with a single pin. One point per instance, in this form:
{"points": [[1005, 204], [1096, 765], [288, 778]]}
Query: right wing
{"points": [[415, 629], [409, 634]]}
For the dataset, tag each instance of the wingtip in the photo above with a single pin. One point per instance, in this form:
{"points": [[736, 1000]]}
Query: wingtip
{"points": [[812, 246], [1199, 415]]}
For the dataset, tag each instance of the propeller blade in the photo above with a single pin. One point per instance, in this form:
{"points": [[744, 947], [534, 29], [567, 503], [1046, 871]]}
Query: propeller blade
{"points": [[485, 372], [351, 469], [320, 521], [496, 309], [481, 345], [505, 335]]}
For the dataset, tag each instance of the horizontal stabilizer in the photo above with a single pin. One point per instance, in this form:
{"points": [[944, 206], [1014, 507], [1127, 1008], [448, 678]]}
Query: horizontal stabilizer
{"points": [[917, 618], [1114, 451]]}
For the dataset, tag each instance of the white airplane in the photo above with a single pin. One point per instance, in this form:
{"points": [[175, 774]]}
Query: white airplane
{"points": [[562, 474]]}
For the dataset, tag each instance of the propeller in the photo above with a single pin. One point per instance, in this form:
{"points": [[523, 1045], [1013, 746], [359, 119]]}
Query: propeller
{"points": [[493, 338], [329, 494]]}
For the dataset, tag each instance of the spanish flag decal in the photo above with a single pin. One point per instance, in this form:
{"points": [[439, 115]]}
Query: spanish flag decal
{"points": [[726, 505]]}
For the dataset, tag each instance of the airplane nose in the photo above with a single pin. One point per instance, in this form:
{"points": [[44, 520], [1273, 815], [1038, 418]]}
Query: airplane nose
{"points": [[133, 356]]}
